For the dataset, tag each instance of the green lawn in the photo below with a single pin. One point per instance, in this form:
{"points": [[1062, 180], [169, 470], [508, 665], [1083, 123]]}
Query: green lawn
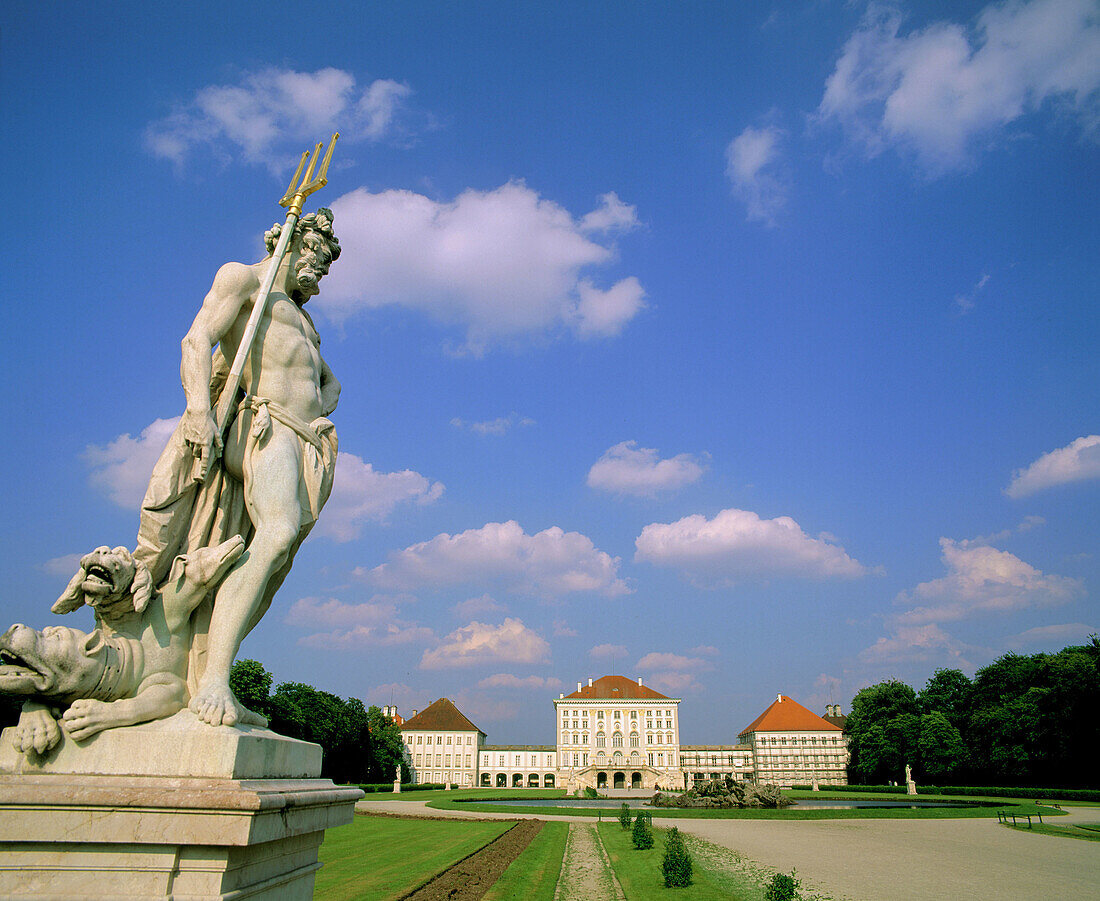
{"points": [[1087, 832], [534, 874], [639, 873], [384, 857]]}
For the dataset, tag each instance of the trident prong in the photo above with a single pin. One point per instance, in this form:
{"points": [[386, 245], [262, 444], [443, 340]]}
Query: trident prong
{"points": [[294, 196]]}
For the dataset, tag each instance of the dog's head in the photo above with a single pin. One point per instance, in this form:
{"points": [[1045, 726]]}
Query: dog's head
{"points": [[111, 581]]}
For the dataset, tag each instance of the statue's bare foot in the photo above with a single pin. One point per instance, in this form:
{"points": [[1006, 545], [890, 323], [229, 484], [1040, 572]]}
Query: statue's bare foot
{"points": [[217, 705]]}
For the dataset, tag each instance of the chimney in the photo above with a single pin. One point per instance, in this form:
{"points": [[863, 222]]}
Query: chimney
{"points": [[578, 686], [778, 698], [561, 694], [414, 712], [639, 680], [589, 681]]}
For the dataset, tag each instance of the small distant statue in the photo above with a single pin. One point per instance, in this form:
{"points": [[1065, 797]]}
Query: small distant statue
{"points": [[908, 774]]}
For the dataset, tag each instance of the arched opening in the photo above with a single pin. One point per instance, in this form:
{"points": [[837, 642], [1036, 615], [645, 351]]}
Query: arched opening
{"points": [[517, 780], [485, 780], [635, 780], [502, 780], [601, 780], [548, 780], [533, 780], [620, 780]]}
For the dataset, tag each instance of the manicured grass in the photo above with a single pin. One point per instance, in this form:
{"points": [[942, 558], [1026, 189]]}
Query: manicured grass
{"points": [[639, 873], [459, 793], [533, 875], [383, 857], [1087, 833]]}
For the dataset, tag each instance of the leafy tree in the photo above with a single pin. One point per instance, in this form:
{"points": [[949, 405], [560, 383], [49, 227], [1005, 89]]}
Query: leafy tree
{"points": [[941, 750], [676, 865], [624, 816], [385, 749], [251, 683], [947, 692], [642, 836], [883, 731]]}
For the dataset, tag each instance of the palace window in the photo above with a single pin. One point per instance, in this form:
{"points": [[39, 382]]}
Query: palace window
{"points": [[648, 739], [633, 739], [633, 714], [617, 740], [601, 740], [420, 739], [429, 739]]}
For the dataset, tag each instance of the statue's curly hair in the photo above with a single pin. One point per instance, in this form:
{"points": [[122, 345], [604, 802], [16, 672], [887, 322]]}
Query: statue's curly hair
{"points": [[316, 232]]}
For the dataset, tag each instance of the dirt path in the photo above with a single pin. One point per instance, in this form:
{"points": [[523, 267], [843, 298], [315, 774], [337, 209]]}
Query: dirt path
{"points": [[470, 879], [586, 873]]}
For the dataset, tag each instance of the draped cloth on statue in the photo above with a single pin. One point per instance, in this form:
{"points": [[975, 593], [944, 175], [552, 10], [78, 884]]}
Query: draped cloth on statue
{"points": [[181, 514]]}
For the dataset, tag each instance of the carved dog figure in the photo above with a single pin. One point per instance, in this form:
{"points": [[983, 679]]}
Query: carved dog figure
{"points": [[150, 648], [112, 583]]}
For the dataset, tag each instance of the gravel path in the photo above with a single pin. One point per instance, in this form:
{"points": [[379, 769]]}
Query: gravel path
{"points": [[586, 873]]}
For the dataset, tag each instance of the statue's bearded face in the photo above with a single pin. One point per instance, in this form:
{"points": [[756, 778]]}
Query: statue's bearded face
{"points": [[311, 266]]}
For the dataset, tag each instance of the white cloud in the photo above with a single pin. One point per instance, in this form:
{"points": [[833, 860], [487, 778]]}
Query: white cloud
{"points": [[629, 469], [122, 468], [739, 544], [1025, 525], [1077, 461], [500, 264], [751, 164], [562, 629], [938, 91], [675, 683], [662, 661], [611, 215], [269, 115], [1053, 637], [64, 566], [367, 624], [477, 606], [362, 494], [497, 426], [918, 644], [549, 563], [983, 579], [529, 683], [607, 651], [479, 644], [964, 303]]}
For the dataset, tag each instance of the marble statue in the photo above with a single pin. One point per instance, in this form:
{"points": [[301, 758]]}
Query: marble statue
{"points": [[237, 489]]}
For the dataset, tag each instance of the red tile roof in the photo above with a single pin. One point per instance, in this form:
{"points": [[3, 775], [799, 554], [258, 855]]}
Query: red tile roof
{"points": [[614, 687], [441, 715], [786, 715]]}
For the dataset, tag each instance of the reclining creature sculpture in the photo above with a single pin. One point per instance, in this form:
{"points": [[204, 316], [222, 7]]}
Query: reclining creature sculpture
{"points": [[131, 669]]}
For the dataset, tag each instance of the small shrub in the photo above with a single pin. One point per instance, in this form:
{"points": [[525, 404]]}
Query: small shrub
{"points": [[642, 836], [624, 816], [590, 792], [676, 866], [783, 888]]}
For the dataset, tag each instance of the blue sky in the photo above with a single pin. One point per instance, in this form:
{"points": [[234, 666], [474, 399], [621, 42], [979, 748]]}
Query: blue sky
{"points": [[741, 348]]}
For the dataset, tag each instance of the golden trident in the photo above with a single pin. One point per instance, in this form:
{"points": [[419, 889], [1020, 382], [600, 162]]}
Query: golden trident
{"points": [[293, 198]]}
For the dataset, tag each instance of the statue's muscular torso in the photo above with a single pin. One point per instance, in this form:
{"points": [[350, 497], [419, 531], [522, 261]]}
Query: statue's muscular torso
{"points": [[288, 350]]}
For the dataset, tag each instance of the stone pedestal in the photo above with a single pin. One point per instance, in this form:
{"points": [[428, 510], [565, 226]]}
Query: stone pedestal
{"points": [[173, 809], [910, 787]]}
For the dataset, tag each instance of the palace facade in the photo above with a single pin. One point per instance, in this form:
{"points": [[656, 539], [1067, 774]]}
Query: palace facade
{"points": [[618, 733]]}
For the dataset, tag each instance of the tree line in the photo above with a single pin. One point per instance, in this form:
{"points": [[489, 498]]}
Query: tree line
{"points": [[360, 744], [1027, 720]]}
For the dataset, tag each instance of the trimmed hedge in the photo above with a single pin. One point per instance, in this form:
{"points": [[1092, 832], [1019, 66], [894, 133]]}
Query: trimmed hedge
{"points": [[1045, 794], [370, 788]]}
